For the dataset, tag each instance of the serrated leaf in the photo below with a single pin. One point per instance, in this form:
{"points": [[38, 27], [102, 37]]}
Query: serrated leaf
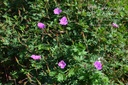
{"points": [[71, 72], [78, 58], [60, 77]]}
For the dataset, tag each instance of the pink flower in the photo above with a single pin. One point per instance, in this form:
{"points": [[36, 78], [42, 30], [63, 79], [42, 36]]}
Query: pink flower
{"points": [[41, 25], [36, 57], [62, 64], [115, 25], [57, 11], [63, 21], [98, 65]]}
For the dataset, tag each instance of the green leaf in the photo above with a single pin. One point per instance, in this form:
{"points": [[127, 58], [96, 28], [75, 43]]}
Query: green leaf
{"points": [[52, 73], [60, 77], [78, 58], [43, 47], [68, 28], [71, 72], [121, 83], [81, 78], [125, 68]]}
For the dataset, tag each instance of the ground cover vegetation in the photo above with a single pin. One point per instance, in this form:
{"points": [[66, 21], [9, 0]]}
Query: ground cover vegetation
{"points": [[63, 42]]}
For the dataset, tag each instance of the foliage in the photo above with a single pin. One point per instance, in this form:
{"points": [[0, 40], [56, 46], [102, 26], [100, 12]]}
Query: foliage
{"points": [[89, 36]]}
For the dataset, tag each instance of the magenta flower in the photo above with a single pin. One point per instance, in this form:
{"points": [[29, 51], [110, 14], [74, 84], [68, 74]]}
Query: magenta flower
{"points": [[62, 64], [41, 25], [57, 11], [36, 57], [98, 65], [115, 25], [63, 21]]}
